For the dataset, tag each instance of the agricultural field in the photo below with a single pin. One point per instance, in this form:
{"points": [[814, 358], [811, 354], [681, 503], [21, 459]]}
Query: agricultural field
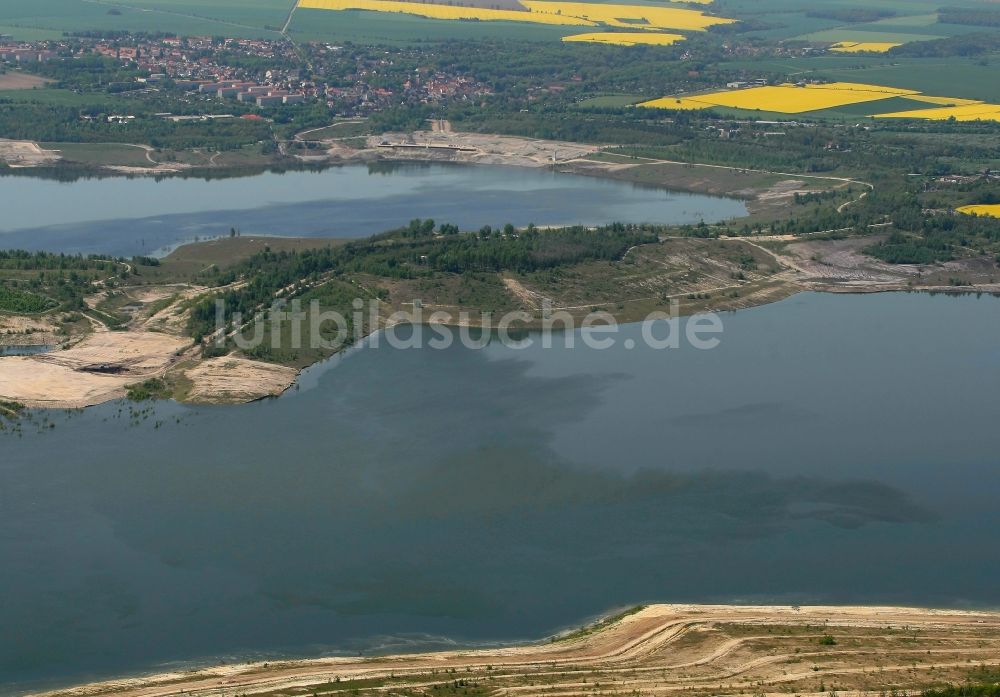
{"points": [[831, 21], [955, 76], [559, 14], [784, 99], [59, 97], [445, 12], [262, 14], [968, 112], [629, 16], [403, 29], [865, 47], [841, 99], [22, 33], [48, 19], [627, 38], [990, 210], [16, 80], [852, 35]]}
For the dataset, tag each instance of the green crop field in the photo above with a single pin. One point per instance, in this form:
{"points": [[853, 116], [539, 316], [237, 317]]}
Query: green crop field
{"points": [[944, 77], [851, 33], [377, 27], [29, 33], [263, 14], [968, 78], [249, 19], [906, 20]]}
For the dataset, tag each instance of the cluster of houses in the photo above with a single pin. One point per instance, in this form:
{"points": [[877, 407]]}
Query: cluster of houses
{"points": [[251, 92], [24, 53], [191, 62], [202, 66]]}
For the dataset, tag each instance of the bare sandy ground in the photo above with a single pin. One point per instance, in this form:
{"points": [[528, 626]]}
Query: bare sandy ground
{"points": [[94, 371], [36, 384], [23, 153], [473, 148], [229, 379], [842, 266], [689, 649], [532, 298], [17, 330]]}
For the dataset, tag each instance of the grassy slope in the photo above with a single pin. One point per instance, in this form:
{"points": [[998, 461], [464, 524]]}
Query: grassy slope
{"points": [[60, 97]]}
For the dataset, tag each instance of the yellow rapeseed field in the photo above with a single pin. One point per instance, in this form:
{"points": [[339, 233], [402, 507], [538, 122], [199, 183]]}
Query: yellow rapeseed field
{"points": [[446, 11], [860, 87], [943, 101], [784, 99], [629, 16], [862, 47], [543, 12], [678, 103], [968, 112], [791, 99], [992, 210], [627, 38]]}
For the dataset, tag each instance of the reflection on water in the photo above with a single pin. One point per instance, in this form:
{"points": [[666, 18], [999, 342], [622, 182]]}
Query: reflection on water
{"points": [[412, 498], [125, 216]]}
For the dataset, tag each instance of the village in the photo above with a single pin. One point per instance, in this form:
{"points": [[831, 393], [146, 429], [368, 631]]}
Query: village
{"points": [[247, 72]]}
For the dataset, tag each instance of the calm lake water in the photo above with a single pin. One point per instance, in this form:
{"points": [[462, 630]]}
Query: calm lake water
{"points": [[125, 216], [23, 350], [833, 449]]}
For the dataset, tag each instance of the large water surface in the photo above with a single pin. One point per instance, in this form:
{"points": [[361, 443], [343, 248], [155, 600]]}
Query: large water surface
{"points": [[832, 449]]}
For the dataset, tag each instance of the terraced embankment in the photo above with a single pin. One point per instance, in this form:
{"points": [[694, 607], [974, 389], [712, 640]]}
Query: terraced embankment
{"points": [[660, 649]]}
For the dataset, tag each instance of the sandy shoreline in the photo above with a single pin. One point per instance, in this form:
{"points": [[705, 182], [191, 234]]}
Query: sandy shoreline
{"points": [[678, 647]]}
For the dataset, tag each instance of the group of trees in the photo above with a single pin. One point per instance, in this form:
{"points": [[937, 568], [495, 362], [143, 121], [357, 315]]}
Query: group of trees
{"points": [[531, 250], [65, 124], [88, 72], [22, 302], [854, 15], [921, 235], [414, 251], [972, 16], [33, 261], [32, 282], [965, 45]]}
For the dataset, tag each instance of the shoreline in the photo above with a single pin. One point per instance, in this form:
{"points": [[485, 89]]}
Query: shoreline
{"points": [[795, 264], [617, 642], [461, 148], [279, 379]]}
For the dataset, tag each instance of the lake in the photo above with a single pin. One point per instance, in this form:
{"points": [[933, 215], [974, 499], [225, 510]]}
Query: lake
{"points": [[832, 449], [129, 216]]}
